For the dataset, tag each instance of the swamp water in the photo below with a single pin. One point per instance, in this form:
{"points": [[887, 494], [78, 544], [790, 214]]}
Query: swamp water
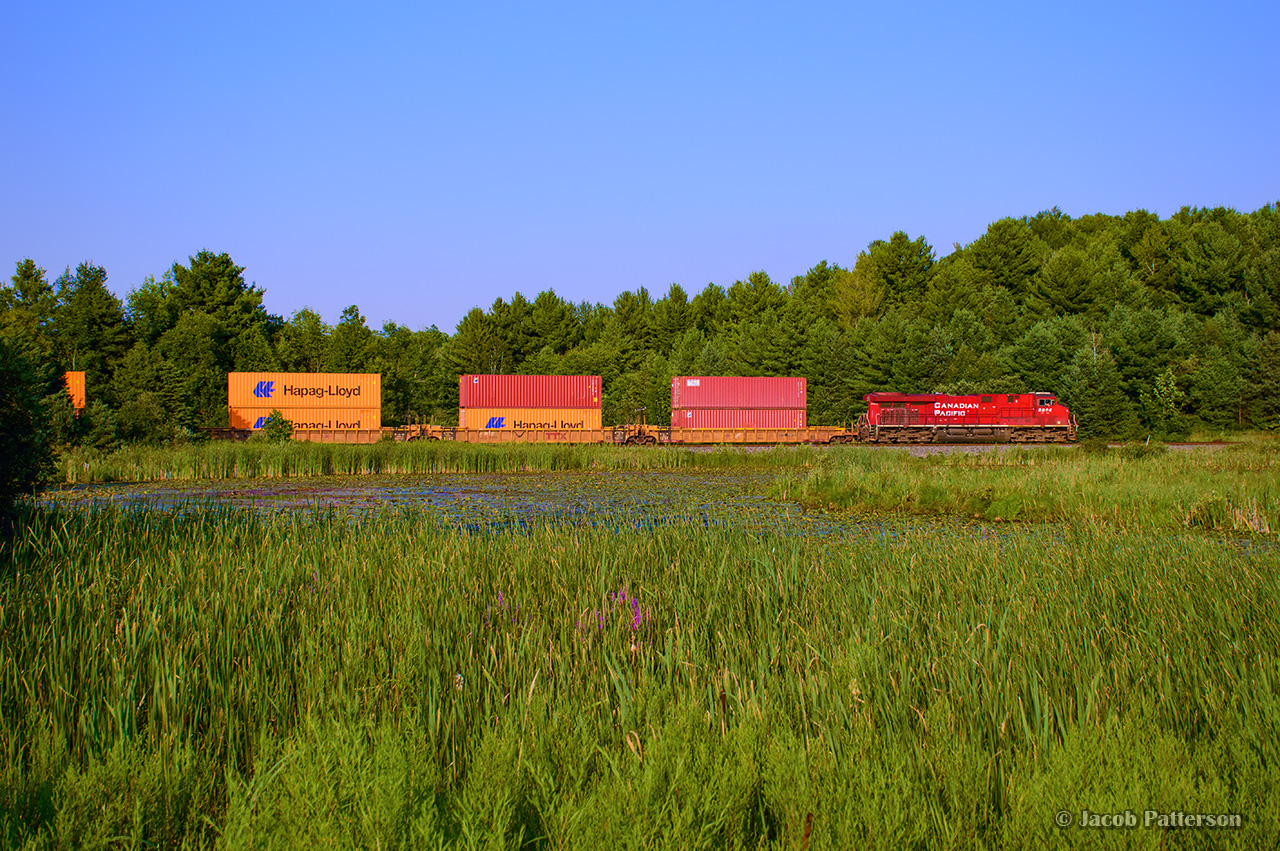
{"points": [[515, 501]]}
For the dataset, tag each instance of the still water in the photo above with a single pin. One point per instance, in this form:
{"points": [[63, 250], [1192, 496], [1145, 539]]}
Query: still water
{"points": [[479, 502]]}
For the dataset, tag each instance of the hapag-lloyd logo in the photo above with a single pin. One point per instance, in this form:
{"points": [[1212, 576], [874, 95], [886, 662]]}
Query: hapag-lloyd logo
{"points": [[264, 389]]}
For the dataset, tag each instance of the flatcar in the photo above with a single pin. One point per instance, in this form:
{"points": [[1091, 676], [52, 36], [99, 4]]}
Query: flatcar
{"points": [[994, 417]]}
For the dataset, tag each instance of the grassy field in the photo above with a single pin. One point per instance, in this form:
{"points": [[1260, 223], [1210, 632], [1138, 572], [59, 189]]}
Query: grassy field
{"points": [[226, 460], [1234, 488], [211, 678]]}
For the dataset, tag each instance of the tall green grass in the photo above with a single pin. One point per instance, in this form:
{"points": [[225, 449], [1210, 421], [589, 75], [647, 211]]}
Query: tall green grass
{"points": [[208, 677], [227, 460], [1233, 489]]}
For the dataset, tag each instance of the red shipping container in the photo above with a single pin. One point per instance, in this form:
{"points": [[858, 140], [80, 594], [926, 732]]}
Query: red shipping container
{"points": [[738, 418], [731, 391], [529, 391]]}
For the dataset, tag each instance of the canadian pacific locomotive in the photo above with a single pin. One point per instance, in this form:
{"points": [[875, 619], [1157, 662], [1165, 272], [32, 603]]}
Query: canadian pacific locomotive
{"points": [[933, 418]]}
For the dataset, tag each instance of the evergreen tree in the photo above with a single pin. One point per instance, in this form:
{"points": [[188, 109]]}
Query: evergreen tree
{"points": [[1092, 390], [552, 323], [88, 326], [1009, 254], [899, 268], [26, 454], [672, 315], [1264, 383], [27, 307], [1215, 395]]}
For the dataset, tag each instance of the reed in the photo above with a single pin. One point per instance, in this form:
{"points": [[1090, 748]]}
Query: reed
{"points": [[211, 677], [226, 460]]}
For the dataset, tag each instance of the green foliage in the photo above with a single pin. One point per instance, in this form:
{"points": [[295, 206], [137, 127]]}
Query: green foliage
{"points": [[1163, 404], [88, 325], [26, 432], [351, 345], [277, 428]]}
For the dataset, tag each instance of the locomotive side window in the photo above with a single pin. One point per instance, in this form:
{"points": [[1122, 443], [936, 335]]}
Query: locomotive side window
{"points": [[1046, 401]]}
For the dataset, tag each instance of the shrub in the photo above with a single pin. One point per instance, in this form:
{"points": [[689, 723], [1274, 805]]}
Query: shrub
{"points": [[277, 429]]}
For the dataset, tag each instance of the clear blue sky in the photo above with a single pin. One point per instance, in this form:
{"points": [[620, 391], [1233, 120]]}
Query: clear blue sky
{"points": [[420, 159]]}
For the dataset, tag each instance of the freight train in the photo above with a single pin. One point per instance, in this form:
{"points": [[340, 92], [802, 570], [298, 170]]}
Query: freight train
{"points": [[705, 410]]}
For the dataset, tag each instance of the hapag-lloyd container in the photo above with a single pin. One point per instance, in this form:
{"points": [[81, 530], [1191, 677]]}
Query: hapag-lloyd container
{"points": [[75, 388], [304, 390], [529, 391], [308, 418], [732, 391], [529, 419], [738, 418]]}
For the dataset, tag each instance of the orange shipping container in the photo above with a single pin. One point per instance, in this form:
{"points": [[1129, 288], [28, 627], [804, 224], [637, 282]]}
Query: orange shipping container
{"points": [[75, 388], [529, 419], [304, 390], [309, 418]]}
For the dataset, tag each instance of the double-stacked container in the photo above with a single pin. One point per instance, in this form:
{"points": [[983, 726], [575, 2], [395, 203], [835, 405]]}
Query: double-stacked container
{"points": [[309, 400], [738, 402], [74, 382], [529, 402]]}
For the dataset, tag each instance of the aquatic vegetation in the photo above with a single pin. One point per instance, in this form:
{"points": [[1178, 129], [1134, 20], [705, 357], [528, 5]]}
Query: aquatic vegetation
{"points": [[222, 676], [230, 460]]}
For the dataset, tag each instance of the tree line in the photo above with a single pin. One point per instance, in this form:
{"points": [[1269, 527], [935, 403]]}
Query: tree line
{"points": [[1142, 325]]}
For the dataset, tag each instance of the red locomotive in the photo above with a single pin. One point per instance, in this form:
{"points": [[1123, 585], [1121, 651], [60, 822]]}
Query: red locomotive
{"points": [[934, 418]]}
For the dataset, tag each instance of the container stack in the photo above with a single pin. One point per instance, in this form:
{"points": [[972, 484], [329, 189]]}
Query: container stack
{"points": [[738, 402], [75, 389], [529, 402], [309, 400]]}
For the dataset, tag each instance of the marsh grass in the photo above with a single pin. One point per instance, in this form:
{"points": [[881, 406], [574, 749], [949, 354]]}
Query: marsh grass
{"points": [[228, 460], [212, 677], [1234, 488]]}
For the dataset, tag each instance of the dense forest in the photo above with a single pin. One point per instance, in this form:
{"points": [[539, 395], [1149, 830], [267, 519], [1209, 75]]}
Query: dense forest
{"points": [[1143, 326]]}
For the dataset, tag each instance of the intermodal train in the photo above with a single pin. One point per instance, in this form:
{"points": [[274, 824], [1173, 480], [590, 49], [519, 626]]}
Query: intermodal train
{"points": [[705, 410]]}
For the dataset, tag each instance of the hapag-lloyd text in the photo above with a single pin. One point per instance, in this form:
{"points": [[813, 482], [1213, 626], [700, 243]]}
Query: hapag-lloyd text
{"points": [[328, 390]]}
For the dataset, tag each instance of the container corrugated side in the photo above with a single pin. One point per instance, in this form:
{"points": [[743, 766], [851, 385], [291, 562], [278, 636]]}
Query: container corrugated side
{"points": [[739, 418], [75, 388], [731, 391], [304, 389], [529, 419], [307, 418], [529, 391]]}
